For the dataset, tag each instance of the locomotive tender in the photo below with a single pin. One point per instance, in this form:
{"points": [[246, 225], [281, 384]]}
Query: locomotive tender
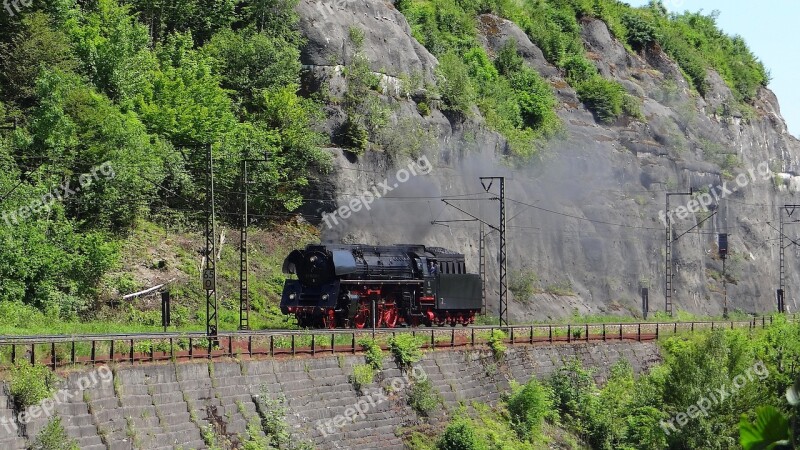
{"points": [[346, 286]]}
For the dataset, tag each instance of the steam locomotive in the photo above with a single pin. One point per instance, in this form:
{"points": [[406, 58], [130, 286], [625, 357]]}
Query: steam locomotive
{"points": [[358, 286]]}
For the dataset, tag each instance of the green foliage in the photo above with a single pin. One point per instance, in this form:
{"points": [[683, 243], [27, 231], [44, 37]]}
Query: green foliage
{"points": [[273, 420], [406, 349], [522, 284], [496, 342], [640, 32], [454, 83], [536, 101], [30, 384], [508, 60], [460, 435], [676, 405], [54, 437], [528, 407], [354, 136], [35, 47], [356, 36], [770, 431], [603, 97], [251, 62], [561, 288], [693, 40], [372, 352], [579, 69], [185, 102], [514, 99], [363, 374], [422, 398]]}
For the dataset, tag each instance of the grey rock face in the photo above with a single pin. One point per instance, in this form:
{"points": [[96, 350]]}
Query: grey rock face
{"points": [[585, 216], [387, 37]]}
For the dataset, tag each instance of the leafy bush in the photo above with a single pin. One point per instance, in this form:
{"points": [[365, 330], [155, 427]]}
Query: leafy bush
{"points": [[496, 343], [31, 384], [578, 69], [561, 288], [479, 67], [54, 437], [640, 32], [406, 349], [354, 136], [603, 97], [508, 60], [573, 389], [460, 435], [422, 398], [528, 407], [372, 352], [522, 284], [536, 101], [455, 85], [363, 374]]}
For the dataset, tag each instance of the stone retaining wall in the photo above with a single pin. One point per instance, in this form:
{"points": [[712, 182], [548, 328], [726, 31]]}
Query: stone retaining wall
{"points": [[169, 406]]}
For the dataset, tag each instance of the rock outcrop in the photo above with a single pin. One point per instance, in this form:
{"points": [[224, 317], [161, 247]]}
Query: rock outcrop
{"points": [[586, 216]]}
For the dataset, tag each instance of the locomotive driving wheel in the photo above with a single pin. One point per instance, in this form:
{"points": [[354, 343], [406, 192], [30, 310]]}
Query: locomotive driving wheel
{"points": [[329, 320], [390, 317], [362, 318]]}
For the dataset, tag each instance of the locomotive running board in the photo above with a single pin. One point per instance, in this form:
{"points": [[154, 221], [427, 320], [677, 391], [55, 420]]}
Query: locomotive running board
{"points": [[380, 281]]}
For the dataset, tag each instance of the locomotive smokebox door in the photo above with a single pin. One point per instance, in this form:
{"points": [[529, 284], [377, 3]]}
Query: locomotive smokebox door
{"points": [[459, 291]]}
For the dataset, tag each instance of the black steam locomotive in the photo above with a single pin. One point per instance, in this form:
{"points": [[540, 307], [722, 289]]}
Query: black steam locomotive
{"points": [[350, 286]]}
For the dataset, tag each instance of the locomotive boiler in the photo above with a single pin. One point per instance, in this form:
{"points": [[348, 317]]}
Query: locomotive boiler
{"points": [[352, 286]]}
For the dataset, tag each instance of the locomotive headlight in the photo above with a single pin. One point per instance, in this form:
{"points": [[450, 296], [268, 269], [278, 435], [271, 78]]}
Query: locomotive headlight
{"points": [[292, 296], [324, 296]]}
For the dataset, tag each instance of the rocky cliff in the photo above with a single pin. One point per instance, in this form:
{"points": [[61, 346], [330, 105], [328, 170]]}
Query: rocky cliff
{"points": [[586, 215]]}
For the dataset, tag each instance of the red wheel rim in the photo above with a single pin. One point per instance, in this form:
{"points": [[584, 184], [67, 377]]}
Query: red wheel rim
{"points": [[390, 319], [360, 320], [329, 321]]}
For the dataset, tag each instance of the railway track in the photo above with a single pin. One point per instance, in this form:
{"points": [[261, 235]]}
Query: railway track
{"points": [[92, 349]]}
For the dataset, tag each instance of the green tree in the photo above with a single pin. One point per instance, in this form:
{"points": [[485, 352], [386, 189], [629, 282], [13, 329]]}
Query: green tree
{"points": [[113, 50], [251, 62], [185, 103], [38, 45]]}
